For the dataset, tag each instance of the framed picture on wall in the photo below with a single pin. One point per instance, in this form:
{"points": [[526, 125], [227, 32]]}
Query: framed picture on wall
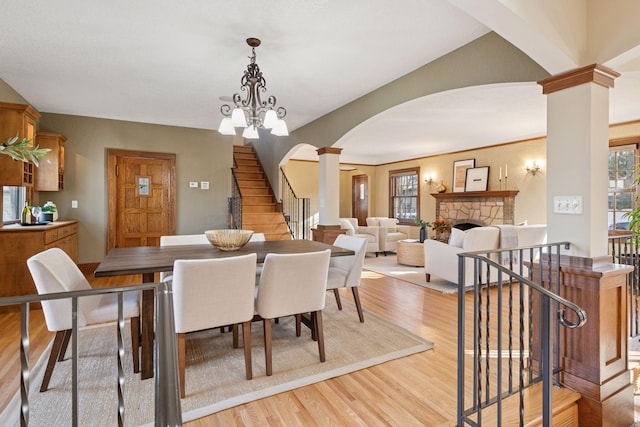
{"points": [[476, 179], [460, 174]]}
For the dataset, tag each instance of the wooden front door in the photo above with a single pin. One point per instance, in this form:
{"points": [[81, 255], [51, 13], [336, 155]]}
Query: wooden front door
{"points": [[360, 198], [141, 187]]}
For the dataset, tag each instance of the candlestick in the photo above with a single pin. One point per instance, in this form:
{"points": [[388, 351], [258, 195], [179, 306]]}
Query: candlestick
{"points": [[506, 166], [500, 174]]}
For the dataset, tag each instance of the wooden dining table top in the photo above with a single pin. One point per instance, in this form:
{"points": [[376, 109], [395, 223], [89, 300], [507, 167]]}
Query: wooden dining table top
{"points": [[153, 259]]}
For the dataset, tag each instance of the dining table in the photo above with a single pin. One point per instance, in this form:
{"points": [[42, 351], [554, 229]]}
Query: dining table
{"points": [[149, 260]]}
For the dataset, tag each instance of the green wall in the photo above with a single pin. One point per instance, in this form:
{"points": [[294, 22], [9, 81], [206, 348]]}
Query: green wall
{"points": [[201, 155]]}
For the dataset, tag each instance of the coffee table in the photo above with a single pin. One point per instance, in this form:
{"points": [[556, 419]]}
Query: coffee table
{"points": [[410, 253]]}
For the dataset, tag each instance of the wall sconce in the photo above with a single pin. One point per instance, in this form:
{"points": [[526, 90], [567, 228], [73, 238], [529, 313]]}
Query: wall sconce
{"points": [[429, 181], [533, 167]]}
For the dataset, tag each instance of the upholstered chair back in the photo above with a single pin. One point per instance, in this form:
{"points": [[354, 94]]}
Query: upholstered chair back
{"points": [[213, 292], [292, 283], [352, 264]]}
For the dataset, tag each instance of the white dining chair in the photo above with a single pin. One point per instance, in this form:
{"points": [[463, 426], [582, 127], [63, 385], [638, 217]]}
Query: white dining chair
{"points": [[257, 237], [293, 284], [345, 271], [177, 240], [54, 271], [210, 293]]}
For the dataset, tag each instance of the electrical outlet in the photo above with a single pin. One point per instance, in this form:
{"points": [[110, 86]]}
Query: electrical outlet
{"points": [[204, 185], [74, 204]]}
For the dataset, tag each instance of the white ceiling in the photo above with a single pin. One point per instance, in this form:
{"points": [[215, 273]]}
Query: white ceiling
{"points": [[164, 62]]}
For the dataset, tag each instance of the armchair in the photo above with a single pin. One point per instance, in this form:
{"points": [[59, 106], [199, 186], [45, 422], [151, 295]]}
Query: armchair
{"points": [[370, 234], [390, 232], [440, 259]]}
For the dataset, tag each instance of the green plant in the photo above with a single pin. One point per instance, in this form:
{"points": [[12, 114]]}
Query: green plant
{"points": [[22, 150], [422, 223]]}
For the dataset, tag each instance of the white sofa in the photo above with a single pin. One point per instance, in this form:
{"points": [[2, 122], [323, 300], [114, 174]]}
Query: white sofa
{"points": [[390, 232], [371, 234], [440, 259]]}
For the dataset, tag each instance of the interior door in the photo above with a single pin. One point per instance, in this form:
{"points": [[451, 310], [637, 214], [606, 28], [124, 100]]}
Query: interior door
{"points": [[141, 198], [360, 198]]}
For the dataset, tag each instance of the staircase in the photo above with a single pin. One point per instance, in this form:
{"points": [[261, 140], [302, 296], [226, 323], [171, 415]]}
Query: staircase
{"points": [[260, 212]]}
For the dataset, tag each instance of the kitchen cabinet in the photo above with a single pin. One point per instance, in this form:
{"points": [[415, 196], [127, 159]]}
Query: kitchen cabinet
{"points": [[50, 176], [18, 243], [17, 119]]}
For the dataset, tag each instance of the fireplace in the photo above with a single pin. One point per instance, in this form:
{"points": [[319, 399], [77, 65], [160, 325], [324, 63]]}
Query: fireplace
{"points": [[476, 207]]}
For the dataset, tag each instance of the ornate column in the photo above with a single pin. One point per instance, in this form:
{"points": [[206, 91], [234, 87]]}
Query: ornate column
{"points": [[329, 195], [594, 357]]}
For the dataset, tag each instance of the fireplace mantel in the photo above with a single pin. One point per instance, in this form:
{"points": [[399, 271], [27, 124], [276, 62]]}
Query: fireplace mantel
{"points": [[469, 194], [478, 207]]}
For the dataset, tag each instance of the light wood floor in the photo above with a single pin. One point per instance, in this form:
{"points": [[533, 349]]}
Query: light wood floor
{"points": [[419, 390]]}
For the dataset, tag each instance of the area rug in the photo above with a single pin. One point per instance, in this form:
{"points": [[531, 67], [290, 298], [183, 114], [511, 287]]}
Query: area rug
{"points": [[388, 266], [215, 376]]}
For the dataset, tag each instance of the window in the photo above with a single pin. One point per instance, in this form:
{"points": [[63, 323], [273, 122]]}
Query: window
{"points": [[404, 195], [12, 203], [622, 193]]}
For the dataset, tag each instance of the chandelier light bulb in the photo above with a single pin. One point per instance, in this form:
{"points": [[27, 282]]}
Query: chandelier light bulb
{"points": [[280, 128], [250, 132], [226, 127], [238, 118], [270, 119]]}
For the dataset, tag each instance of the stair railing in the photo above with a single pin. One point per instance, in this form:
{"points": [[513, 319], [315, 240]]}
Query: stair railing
{"points": [[624, 249], [235, 201], [512, 343], [296, 210], [167, 399]]}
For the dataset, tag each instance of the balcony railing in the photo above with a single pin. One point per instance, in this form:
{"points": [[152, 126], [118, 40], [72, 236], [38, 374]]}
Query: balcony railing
{"points": [[167, 397], [624, 249]]}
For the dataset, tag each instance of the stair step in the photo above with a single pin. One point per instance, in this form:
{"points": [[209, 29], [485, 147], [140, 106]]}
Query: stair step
{"points": [[249, 175], [249, 169], [277, 236], [564, 412], [246, 160], [255, 191], [245, 156], [242, 149], [257, 200], [252, 183], [265, 207]]}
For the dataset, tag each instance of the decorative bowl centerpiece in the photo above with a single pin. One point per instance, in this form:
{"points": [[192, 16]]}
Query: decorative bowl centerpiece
{"points": [[228, 240]]}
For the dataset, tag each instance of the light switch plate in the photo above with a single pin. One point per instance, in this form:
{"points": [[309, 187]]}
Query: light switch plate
{"points": [[568, 205], [74, 204], [204, 185], [193, 184]]}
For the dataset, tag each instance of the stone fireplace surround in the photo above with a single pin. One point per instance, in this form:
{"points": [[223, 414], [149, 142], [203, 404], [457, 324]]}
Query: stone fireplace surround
{"points": [[476, 207]]}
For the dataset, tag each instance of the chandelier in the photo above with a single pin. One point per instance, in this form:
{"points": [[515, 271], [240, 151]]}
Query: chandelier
{"points": [[252, 113]]}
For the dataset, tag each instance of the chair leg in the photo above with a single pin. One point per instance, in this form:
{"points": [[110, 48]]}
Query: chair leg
{"points": [[298, 324], [65, 344], [182, 361], [267, 345], [317, 324], [337, 295], [234, 328], [427, 276], [246, 338], [55, 352], [356, 299], [135, 343]]}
